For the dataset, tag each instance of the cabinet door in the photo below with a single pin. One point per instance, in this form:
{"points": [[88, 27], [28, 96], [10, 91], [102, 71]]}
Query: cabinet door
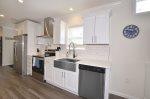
{"points": [[48, 72], [58, 76], [20, 28], [40, 29], [71, 81], [31, 30], [88, 30], [59, 32], [101, 29]]}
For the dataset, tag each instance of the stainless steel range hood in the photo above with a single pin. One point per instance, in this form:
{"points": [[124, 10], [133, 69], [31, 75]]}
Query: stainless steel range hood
{"points": [[48, 27]]}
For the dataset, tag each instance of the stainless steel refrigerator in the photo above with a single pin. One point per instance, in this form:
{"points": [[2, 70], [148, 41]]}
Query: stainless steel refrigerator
{"points": [[20, 54]]}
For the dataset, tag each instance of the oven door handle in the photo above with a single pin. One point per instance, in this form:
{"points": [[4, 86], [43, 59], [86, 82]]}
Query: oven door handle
{"points": [[40, 58]]}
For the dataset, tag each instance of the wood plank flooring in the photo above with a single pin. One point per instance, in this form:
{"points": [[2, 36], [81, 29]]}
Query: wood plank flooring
{"points": [[14, 86]]}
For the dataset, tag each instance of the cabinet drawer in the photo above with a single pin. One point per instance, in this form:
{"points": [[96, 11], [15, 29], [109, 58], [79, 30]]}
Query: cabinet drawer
{"points": [[49, 62]]}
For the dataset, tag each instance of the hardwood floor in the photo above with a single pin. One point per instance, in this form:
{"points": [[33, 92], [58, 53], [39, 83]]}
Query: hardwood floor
{"points": [[111, 96], [14, 86]]}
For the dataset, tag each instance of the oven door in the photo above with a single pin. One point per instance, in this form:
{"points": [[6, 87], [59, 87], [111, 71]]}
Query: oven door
{"points": [[38, 65]]}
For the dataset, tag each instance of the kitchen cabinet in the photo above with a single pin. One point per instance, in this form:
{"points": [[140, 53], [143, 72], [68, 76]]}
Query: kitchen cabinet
{"points": [[71, 81], [60, 29], [29, 65], [88, 30], [40, 29], [30, 28], [21, 28], [67, 80], [59, 77], [96, 29], [48, 69], [7, 46]]}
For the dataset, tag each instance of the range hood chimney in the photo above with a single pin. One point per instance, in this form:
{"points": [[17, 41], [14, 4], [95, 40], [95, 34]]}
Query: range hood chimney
{"points": [[48, 27]]}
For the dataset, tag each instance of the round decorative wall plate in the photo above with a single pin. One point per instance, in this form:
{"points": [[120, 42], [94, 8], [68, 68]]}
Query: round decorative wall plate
{"points": [[131, 31]]}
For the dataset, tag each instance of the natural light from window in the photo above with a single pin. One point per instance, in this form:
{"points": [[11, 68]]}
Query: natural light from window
{"points": [[75, 34], [142, 6]]}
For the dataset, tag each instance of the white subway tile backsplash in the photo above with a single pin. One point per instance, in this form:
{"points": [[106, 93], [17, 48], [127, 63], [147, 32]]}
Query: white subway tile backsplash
{"points": [[93, 52]]}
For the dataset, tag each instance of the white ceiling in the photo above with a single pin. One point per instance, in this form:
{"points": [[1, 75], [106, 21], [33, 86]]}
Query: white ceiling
{"points": [[38, 9]]}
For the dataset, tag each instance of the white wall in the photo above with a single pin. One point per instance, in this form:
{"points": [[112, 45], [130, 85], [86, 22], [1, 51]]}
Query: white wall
{"points": [[147, 81], [128, 56], [7, 50]]}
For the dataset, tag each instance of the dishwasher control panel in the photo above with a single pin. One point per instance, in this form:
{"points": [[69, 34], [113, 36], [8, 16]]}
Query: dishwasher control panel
{"points": [[92, 68]]}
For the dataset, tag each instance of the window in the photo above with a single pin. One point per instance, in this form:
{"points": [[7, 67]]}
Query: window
{"points": [[142, 6], [75, 34]]}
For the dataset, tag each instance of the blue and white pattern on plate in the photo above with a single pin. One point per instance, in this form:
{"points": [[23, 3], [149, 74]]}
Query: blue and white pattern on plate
{"points": [[131, 31]]}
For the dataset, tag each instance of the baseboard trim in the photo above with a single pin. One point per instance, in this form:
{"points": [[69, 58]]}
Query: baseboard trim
{"points": [[123, 95]]}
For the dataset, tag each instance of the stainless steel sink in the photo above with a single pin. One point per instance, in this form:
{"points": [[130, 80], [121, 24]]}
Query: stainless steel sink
{"points": [[68, 60], [66, 64]]}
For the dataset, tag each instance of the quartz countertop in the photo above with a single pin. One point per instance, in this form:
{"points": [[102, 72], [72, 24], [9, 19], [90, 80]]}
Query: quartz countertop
{"points": [[96, 63]]}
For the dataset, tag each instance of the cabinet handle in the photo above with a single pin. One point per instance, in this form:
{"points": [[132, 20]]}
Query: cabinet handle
{"points": [[62, 74]]}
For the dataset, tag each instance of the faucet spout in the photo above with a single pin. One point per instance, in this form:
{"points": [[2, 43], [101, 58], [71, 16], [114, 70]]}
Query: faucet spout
{"points": [[73, 47]]}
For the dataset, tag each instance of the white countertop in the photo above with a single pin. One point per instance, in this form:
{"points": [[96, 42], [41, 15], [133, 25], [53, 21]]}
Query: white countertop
{"points": [[96, 63]]}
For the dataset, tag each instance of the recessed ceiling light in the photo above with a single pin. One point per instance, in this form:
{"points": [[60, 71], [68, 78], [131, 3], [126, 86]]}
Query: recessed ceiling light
{"points": [[71, 9], [1, 15], [20, 1]]}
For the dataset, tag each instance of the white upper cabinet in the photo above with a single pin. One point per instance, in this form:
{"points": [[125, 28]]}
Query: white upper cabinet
{"points": [[88, 31], [60, 29], [40, 29], [96, 29], [102, 29], [30, 28], [21, 28]]}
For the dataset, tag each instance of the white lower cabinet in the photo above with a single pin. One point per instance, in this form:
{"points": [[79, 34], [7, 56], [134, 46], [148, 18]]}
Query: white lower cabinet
{"points": [[64, 79], [58, 77], [48, 69], [67, 80], [71, 81]]}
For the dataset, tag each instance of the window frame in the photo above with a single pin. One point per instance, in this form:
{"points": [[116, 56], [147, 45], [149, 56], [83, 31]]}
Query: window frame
{"points": [[77, 46], [135, 9]]}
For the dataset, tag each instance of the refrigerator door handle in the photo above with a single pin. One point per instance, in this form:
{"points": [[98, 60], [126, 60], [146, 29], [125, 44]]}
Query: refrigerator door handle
{"points": [[15, 52]]}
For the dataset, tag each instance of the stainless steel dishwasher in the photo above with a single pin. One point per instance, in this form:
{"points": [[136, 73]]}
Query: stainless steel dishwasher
{"points": [[91, 82]]}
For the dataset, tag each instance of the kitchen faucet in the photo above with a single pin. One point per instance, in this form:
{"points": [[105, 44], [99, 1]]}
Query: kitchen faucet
{"points": [[73, 47]]}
